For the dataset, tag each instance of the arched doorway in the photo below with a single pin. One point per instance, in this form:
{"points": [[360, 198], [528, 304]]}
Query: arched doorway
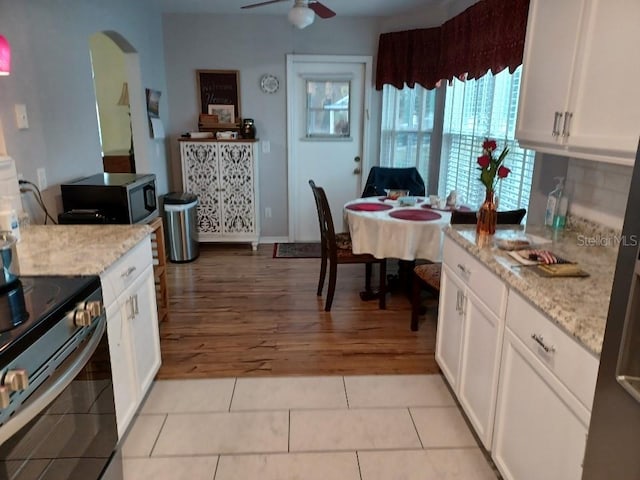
{"points": [[117, 83]]}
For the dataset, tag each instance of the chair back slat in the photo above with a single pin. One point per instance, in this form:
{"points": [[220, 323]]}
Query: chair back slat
{"points": [[325, 220], [508, 217]]}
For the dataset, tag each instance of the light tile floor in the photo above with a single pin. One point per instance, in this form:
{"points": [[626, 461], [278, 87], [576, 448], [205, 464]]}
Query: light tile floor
{"points": [[387, 427]]}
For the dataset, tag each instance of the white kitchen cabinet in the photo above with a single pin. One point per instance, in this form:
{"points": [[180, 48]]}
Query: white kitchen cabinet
{"points": [[546, 388], [577, 96], [224, 176], [469, 335], [132, 329], [540, 429]]}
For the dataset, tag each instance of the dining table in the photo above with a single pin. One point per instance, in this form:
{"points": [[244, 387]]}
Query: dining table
{"points": [[387, 228]]}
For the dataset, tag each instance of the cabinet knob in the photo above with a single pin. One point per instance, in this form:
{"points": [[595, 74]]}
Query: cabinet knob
{"points": [[82, 318]]}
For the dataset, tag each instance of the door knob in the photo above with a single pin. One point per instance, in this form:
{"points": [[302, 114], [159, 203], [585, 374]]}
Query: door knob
{"points": [[356, 159], [356, 171]]}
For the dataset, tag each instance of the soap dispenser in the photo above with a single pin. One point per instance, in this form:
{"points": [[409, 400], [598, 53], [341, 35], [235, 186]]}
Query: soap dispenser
{"points": [[553, 202]]}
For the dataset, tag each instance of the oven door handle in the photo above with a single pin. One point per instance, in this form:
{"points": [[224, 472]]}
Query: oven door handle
{"points": [[58, 383]]}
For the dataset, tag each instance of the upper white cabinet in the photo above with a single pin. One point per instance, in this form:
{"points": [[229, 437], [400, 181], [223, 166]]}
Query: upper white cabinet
{"points": [[578, 96], [224, 176]]}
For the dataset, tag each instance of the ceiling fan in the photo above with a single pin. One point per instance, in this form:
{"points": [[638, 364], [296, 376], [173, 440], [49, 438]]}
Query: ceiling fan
{"points": [[303, 12]]}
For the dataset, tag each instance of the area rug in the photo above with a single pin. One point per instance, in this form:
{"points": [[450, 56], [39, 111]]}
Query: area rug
{"points": [[296, 250]]}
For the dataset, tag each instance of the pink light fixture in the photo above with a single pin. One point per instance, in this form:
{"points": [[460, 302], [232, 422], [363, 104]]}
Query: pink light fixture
{"points": [[5, 56]]}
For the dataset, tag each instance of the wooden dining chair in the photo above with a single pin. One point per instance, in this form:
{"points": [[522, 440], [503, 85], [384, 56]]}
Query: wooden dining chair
{"points": [[427, 276], [336, 250]]}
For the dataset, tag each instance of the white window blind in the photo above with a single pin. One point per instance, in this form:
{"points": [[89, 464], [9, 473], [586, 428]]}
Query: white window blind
{"points": [[407, 125], [475, 110]]}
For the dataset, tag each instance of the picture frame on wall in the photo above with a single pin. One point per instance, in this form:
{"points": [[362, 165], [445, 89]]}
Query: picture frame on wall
{"points": [[219, 88], [225, 113]]}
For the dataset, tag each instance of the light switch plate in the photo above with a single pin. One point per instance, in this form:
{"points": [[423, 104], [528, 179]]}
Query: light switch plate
{"points": [[266, 146], [21, 116]]}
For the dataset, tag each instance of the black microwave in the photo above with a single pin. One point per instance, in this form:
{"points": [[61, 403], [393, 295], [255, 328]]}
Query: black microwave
{"points": [[115, 197]]}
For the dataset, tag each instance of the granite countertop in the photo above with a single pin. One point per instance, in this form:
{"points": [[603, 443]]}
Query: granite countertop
{"points": [[577, 305], [75, 249]]}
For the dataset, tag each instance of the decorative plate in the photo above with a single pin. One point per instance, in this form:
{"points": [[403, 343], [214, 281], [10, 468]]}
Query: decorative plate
{"points": [[269, 83]]}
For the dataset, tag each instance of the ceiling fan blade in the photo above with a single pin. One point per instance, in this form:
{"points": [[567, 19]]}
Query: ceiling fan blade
{"points": [[269, 2], [321, 10]]}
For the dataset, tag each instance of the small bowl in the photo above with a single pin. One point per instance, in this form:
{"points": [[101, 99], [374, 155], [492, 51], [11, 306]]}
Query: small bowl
{"points": [[407, 201], [395, 194]]}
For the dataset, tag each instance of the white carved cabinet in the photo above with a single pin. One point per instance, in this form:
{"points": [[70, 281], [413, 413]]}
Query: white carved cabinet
{"points": [[578, 97], [224, 176]]}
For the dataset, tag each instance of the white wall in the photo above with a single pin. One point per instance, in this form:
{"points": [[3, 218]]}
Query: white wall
{"points": [[51, 74], [255, 45]]}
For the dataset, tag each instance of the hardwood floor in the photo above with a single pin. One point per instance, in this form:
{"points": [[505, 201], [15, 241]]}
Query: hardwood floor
{"points": [[234, 312]]}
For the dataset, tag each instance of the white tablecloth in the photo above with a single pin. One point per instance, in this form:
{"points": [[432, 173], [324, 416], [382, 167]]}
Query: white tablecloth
{"points": [[383, 236]]}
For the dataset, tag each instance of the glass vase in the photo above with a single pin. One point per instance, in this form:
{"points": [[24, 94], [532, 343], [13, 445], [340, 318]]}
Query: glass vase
{"points": [[487, 216]]}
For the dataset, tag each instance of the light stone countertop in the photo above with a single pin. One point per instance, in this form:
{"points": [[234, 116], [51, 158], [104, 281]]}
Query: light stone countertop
{"points": [[577, 305], [75, 249]]}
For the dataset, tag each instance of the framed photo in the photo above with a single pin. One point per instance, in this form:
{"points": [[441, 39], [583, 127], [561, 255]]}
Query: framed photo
{"points": [[225, 113], [219, 88]]}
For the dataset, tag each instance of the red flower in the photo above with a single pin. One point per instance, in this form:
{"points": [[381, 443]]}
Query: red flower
{"points": [[503, 172], [484, 161], [489, 145]]}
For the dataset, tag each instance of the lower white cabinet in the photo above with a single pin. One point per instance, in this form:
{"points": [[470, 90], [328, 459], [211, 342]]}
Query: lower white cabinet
{"points": [[468, 342], [540, 429], [546, 389], [132, 330]]}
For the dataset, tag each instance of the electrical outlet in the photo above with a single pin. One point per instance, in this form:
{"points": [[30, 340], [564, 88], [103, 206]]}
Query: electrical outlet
{"points": [[267, 212], [42, 178]]}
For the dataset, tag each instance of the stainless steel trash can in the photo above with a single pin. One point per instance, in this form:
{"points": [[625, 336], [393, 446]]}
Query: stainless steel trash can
{"points": [[181, 221]]}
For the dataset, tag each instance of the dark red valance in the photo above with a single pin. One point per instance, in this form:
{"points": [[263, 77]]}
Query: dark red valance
{"points": [[489, 35]]}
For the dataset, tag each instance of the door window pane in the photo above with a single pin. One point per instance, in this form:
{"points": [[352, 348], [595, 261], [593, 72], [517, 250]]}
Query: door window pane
{"points": [[328, 108]]}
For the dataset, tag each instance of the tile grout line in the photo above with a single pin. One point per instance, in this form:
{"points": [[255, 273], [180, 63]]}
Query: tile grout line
{"points": [[415, 428], [289, 434], [346, 395], [233, 392], [155, 442], [215, 470], [358, 462]]}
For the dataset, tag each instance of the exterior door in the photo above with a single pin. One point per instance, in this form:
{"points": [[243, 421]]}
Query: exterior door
{"points": [[327, 105]]}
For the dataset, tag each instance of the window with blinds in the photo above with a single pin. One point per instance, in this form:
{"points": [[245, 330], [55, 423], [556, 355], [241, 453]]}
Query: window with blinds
{"points": [[475, 110], [407, 126]]}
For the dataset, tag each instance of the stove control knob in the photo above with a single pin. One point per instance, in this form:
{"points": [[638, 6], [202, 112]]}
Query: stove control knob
{"points": [[94, 307], [4, 397], [82, 318], [16, 380]]}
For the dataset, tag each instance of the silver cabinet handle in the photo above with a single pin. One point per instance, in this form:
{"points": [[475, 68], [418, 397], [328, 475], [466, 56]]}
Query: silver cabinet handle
{"points": [[556, 119], [460, 302], [565, 124], [540, 341], [128, 272], [136, 311]]}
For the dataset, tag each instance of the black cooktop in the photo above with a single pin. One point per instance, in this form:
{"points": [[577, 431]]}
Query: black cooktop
{"points": [[33, 305]]}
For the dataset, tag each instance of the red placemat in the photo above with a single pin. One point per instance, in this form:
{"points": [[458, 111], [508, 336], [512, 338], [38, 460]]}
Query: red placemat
{"points": [[461, 208], [368, 207], [415, 214]]}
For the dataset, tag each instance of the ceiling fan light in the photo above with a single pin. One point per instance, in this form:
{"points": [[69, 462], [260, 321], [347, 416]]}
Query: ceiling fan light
{"points": [[301, 16]]}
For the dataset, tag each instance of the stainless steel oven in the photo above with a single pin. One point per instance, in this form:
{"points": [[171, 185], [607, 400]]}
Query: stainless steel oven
{"points": [[57, 413]]}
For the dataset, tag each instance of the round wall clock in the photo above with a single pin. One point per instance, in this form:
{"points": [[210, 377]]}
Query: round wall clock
{"points": [[269, 83]]}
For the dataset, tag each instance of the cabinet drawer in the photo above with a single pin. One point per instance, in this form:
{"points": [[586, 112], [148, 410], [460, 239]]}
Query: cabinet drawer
{"points": [[485, 284], [117, 278], [575, 367]]}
